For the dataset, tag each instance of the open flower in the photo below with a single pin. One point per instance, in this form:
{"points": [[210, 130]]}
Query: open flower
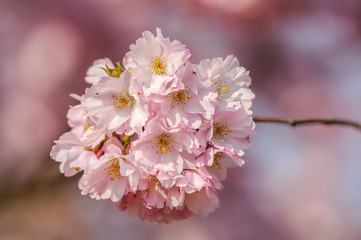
{"points": [[102, 68], [218, 161], [115, 105], [159, 144], [70, 150], [154, 61], [229, 80], [190, 104], [193, 194], [135, 205], [112, 176], [83, 126], [230, 130]]}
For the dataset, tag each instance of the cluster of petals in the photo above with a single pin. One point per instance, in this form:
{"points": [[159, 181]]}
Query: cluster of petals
{"points": [[156, 136]]}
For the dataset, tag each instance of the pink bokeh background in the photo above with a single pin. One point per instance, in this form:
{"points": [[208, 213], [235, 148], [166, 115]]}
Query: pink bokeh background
{"points": [[305, 61]]}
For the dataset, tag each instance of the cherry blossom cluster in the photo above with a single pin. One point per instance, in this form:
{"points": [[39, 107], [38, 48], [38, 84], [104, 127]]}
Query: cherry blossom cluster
{"points": [[157, 135]]}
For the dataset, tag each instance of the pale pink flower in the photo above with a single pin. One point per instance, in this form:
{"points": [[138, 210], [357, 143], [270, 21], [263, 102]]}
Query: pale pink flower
{"points": [[115, 105], [70, 151], [135, 205], [96, 71], [202, 202], [166, 177], [77, 115], [154, 62], [231, 81], [169, 188], [73, 149], [218, 162], [156, 195], [111, 177], [190, 104], [160, 197], [159, 144], [82, 125], [197, 179], [161, 204], [230, 130]]}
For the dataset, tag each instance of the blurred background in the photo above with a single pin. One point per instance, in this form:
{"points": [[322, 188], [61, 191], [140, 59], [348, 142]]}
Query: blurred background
{"points": [[304, 57]]}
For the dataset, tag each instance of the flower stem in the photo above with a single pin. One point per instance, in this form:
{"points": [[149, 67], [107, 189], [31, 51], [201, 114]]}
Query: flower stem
{"points": [[126, 141], [295, 122]]}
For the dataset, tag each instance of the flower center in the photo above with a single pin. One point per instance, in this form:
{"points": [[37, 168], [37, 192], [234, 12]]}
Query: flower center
{"points": [[155, 180], [216, 160], [221, 130], [221, 87], [123, 101], [164, 142], [113, 167], [180, 97], [89, 124], [157, 65]]}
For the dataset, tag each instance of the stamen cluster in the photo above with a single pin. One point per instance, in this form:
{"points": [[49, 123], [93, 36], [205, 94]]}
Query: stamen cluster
{"points": [[157, 135]]}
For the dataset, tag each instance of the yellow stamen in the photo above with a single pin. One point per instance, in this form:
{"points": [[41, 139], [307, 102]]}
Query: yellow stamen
{"points": [[155, 181], [113, 168], [216, 160], [224, 88], [123, 101], [180, 97], [221, 130], [221, 87], [89, 124], [164, 142], [113, 176], [157, 65]]}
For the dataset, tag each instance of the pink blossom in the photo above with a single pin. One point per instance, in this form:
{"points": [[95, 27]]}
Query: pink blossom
{"points": [[159, 144], [78, 115], [203, 202], [188, 105], [230, 130], [70, 151], [71, 148], [162, 204], [97, 70], [218, 162], [112, 176], [115, 105], [229, 80], [134, 204], [155, 61], [78, 118]]}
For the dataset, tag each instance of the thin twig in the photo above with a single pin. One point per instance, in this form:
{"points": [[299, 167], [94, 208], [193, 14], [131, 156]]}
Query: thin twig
{"points": [[294, 122]]}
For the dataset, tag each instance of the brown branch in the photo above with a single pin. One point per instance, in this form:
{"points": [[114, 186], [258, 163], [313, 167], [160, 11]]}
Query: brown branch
{"points": [[295, 122]]}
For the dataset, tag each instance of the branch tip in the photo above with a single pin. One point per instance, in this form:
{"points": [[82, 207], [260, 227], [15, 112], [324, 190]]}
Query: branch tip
{"points": [[295, 122]]}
